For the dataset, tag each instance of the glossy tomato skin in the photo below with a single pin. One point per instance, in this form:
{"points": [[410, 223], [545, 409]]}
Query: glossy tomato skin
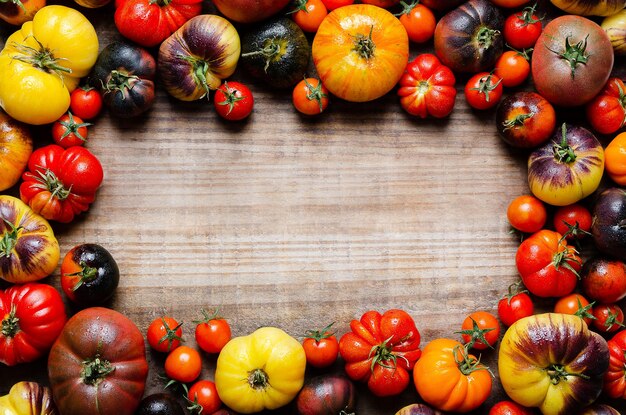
{"points": [[33, 315], [159, 404], [427, 87], [164, 334], [309, 14], [310, 97], [489, 328], [515, 307], [183, 364], [89, 274], [16, 146], [203, 396], [577, 305], [525, 119], [233, 101], [419, 22], [615, 376], [483, 91], [69, 131], [604, 279], [609, 216], [513, 68], [212, 333], [527, 214], [381, 3], [321, 347], [326, 395], [334, 4], [607, 111], [509, 408], [522, 29], [86, 102], [609, 318], [572, 221], [18, 13]]}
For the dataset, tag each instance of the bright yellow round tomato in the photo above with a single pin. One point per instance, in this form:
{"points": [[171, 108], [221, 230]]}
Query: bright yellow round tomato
{"points": [[264, 370], [43, 62]]}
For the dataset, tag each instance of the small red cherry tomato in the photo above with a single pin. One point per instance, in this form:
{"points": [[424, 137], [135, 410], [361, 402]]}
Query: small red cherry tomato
{"points": [[85, 102], [522, 29], [509, 408], [483, 90], [212, 332], [203, 398], [573, 221], [481, 330], [69, 131], [321, 347], [233, 101], [527, 214], [164, 334], [310, 97], [609, 318], [514, 306]]}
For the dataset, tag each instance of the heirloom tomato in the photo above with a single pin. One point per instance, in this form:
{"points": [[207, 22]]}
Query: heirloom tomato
{"points": [[509, 3], [212, 332], [509, 408], [607, 111], [450, 379], [28, 398], [553, 362], [16, 12], [335, 4], [522, 29], [572, 221], [599, 409], [233, 101], [248, 11], [480, 330], [148, 22], [16, 146], [513, 68], [515, 305], [203, 397], [160, 404], [483, 90], [360, 52], [615, 27], [310, 97], [577, 305], [615, 376], [615, 159], [381, 3], [567, 169], [321, 347], [604, 279], [183, 364], [42, 63], [308, 14], [327, 395], [98, 364], [419, 21], [609, 217], [525, 119], [264, 370], [69, 131], [164, 334], [61, 183], [427, 87], [381, 350], [418, 409], [527, 214], [609, 318], [548, 266], [33, 316], [28, 249], [590, 8], [85, 102]]}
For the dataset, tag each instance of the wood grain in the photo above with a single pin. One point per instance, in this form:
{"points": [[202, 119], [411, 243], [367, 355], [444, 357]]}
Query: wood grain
{"points": [[297, 222]]}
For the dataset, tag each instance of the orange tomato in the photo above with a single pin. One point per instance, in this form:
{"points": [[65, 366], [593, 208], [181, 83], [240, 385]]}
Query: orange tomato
{"points": [[183, 364], [615, 159], [360, 52], [309, 14], [18, 12], [382, 3], [513, 68], [310, 97], [575, 304], [419, 22], [16, 146], [527, 214]]}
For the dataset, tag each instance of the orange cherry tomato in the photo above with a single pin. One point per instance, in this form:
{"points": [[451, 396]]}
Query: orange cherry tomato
{"points": [[513, 68], [481, 330], [577, 305], [419, 22], [310, 97], [183, 364], [527, 214], [309, 14]]}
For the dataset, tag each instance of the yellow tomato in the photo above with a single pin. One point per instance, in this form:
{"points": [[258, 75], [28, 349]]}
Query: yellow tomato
{"points": [[27, 398], [264, 370], [43, 62]]}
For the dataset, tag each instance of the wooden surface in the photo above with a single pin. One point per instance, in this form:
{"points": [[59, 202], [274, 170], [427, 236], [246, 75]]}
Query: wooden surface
{"points": [[297, 222]]}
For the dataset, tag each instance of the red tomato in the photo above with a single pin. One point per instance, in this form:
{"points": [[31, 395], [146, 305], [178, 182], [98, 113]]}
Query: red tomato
{"points": [[509, 3], [309, 14], [509, 408], [522, 29], [310, 97], [233, 101], [382, 3], [527, 214], [203, 397], [615, 377], [609, 318], [212, 332], [427, 87], [69, 131], [86, 102], [321, 347], [607, 111], [577, 305], [513, 68], [480, 330], [514, 306], [572, 221], [183, 364], [419, 22], [164, 334], [483, 90], [604, 279], [335, 4], [525, 119]]}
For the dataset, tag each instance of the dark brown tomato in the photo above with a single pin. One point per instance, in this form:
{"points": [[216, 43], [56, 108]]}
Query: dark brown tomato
{"points": [[525, 119], [441, 4], [326, 395], [159, 404], [609, 223], [604, 280]]}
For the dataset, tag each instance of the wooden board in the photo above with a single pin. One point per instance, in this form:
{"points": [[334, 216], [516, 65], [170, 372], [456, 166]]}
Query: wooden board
{"points": [[297, 222]]}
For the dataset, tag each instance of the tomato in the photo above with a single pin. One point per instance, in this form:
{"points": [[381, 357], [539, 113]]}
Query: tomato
{"points": [[609, 217], [212, 332], [514, 306], [358, 36], [548, 266], [615, 376], [509, 3], [483, 90], [17, 12], [525, 119], [148, 23], [327, 394], [419, 22], [164, 334], [183, 364], [160, 404], [61, 183], [450, 379], [98, 364], [233, 101], [615, 159], [308, 14], [335, 4], [69, 131], [382, 3], [509, 408], [609, 318], [310, 97], [577, 305], [380, 350], [28, 398], [572, 221], [248, 11], [522, 29], [16, 146], [604, 279], [480, 330], [427, 87], [321, 347], [513, 68], [607, 111], [203, 397], [527, 214], [572, 61], [86, 102], [89, 274], [33, 316]]}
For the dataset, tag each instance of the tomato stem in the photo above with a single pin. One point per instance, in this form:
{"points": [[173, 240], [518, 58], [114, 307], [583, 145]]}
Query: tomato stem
{"points": [[9, 239], [315, 93], [299, 6], [42, 58], [10, 324], [86, 274], [518, 121], [407, 7], [527, 16], [476, 334], [50, 182], [206, 317], [258, 379], [557, 372], [583, 311], [563, 152], [72, 127], [18, 3], [364, 45], [612, 319], [467, 363], [485, 86], [95, 369], [574, 54], [318, 335], [485, 37], [270, 50], [200, 68], [231, 97], [119, 81]]}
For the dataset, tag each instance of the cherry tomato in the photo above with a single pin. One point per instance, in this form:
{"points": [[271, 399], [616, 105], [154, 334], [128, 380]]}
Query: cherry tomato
{"points": [[514, 306], [509, 408], [577, 305], [233, 101], [203, 398], [609, 318], [69, 131], [513, 68], [481, 330], [419, 22], [335, 4], [522, 29], [310, 97], [86, 102], [483, 90], [212, 332], [573, 221], [382, 3], [183, 364], [164, 334], [509, 4], [321, 347], [308, 14], [527, 214]]}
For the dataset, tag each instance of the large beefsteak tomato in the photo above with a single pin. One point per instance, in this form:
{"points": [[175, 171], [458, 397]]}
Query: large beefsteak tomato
{"points": [[615, 377]]}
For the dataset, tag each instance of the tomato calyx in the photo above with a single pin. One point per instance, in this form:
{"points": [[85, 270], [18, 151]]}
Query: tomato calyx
{"points": [[319, 335], [557, 373], [72, 127], [518, 121], [382, 354], [120, 81], [200, 68], [231, 97], [10, 324], [160, 3], [476, 334], [513, 290], [613, 320], [170, 334], [563, 152], [315, 93], [584, 311], [41, 58], [86, 274], [95, 370], [18, 3], [407, 7], [466, 362], [485, 86], [258, 379], [9, 239], [299, 6], [574, 231], [528, 15], [574, 54], [270, 50], [49, 181], [364, 46], [563, 259], [485, 36]]}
